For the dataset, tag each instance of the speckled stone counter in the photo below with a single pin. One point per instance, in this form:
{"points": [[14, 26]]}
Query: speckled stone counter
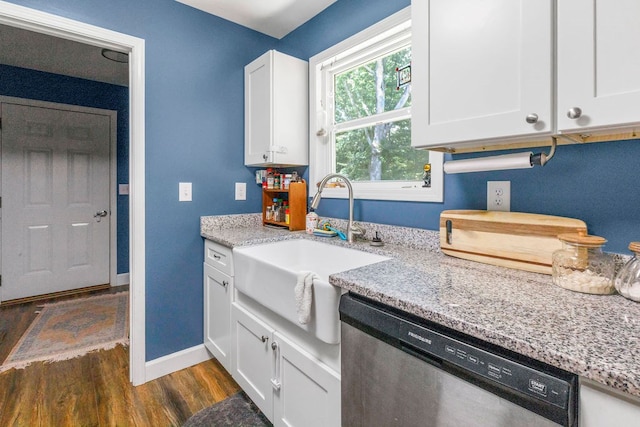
{"points": [[594, 336]]}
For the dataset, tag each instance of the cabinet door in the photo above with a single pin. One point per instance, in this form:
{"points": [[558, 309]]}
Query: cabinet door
{"points": [[258, 110], [253, 358], [217, 314], [309, 393], [598, 63], [481, 70]]}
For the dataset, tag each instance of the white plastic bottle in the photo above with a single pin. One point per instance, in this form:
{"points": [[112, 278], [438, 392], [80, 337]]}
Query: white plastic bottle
{"points": [[312, 222]]}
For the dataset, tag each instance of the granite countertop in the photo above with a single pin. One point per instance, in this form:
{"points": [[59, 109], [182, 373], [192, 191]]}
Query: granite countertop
{"points": [[594, 336]]}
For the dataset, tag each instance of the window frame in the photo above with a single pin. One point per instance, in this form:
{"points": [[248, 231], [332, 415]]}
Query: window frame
{"points": [[393, 31]]}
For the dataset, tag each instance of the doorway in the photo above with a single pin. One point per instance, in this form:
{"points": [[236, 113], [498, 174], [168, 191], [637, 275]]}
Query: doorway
{"points": [[33, 20], [58, 213]]}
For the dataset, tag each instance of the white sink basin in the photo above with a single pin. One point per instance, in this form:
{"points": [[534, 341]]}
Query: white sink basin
{"points": [[268, 273]]}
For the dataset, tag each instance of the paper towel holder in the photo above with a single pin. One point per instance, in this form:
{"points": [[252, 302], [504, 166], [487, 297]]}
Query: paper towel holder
{"points": [[523, 160], [541, 159]]}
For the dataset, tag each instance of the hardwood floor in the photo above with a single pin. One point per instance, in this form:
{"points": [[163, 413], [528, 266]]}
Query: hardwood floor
{"points": [[94, 390]]}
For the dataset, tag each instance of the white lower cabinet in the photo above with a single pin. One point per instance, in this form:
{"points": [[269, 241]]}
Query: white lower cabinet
{"points": [[218, 292], [289, 385], [217, 314], [602, 406]]}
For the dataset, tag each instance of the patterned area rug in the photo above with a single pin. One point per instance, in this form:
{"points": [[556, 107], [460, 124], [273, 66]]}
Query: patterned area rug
{"points": [[69, 329], [235, 411]]}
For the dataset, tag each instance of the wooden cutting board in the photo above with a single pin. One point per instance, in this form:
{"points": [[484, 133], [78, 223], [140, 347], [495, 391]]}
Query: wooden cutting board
{"points": [[509, 239]]}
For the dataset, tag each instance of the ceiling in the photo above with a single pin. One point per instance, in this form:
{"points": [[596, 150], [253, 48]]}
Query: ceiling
{"points": [[36, 51], [41, 52], [276, 18]]}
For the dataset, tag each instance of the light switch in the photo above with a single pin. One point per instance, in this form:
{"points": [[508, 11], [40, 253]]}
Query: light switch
{"points": [[241, 191], [123, 189], [184, 192]]}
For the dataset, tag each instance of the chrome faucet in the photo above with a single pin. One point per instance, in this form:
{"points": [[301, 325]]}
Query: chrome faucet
{"points": [[352, 229]]}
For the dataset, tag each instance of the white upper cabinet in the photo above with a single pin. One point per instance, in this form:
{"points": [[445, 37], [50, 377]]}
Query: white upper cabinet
{"points": [[276, 111], [481, 70], [598, 64]]}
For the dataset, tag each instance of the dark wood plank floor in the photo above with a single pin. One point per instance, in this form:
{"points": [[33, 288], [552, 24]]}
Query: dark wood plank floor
{"points": [[94, 390]]}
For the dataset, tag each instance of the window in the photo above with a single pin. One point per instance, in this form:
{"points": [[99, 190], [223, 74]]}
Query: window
{"points": [[361, 117]]}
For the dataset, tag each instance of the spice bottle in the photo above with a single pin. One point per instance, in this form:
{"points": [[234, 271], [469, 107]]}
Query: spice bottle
{"points": [[582, 266]]}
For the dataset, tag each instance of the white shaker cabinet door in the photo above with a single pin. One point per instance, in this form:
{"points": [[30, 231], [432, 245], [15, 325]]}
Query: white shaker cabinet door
{"points": [[307, 392], [217, 312], [253, 358], [598, 63], [481, 70]]}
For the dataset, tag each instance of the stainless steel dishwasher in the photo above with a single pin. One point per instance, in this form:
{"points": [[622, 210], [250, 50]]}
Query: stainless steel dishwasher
{"points": [[399, 370]]}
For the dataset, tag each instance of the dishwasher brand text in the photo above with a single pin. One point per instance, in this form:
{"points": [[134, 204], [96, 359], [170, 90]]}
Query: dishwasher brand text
{"points": [[419, 337]]}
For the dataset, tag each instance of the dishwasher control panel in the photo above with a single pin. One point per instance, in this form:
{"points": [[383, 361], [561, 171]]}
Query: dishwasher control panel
{"points": [[514, 375]]}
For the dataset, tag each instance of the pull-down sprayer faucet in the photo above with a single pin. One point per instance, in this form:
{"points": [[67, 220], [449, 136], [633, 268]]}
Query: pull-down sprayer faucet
{"points": [[352, 229]]}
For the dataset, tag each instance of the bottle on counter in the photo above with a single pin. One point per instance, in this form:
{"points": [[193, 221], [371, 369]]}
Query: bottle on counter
{"points": [[276, 181], [311, 222]]}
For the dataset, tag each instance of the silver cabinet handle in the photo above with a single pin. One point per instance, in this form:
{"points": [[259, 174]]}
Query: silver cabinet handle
{"points": [[265, 157], [274, 346], [275, 384], [225, 283], [574, 113], [264, 339], [532, 118], [215, 256]]}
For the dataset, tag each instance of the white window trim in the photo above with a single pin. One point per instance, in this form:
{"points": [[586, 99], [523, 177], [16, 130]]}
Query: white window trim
{"points": [[320, 152]]}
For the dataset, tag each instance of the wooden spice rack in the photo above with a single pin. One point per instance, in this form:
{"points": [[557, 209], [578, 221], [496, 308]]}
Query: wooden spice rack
{"points": [[296, 195]]}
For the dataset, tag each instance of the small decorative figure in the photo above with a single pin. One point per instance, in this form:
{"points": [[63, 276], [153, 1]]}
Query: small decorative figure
{"points": [[426, 176]]}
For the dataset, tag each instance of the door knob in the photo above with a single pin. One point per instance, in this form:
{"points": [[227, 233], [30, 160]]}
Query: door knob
{"points": [[532, 118], [100, 214], [574, 113]]}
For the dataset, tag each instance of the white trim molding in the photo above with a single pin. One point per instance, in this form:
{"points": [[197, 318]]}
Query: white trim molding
{"points": [[53, 25], [175, 361]]}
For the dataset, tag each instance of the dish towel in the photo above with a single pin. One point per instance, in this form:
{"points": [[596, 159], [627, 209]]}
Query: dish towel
{"points": [[304, 295]]}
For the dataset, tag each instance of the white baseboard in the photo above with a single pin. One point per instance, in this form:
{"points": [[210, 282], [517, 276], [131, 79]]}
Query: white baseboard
{"points": [[175, 361], [122, 279]]}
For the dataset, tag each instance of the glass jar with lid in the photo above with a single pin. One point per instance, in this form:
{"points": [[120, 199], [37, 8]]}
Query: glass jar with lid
{"points": [[582, 266], [628, 278]]}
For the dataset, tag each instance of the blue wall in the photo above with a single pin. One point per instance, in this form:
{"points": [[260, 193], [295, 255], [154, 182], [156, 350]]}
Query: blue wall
{"points": [[29, 84], [593, 182], [194, 133]]}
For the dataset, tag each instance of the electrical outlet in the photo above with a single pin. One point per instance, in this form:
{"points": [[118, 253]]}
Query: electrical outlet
{"points": [[184, 192], [499, 196], [241, 191]]}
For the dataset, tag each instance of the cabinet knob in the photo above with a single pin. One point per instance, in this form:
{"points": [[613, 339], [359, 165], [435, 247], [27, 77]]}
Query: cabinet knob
{"points": [[532, 118], [265, 157], [574, 113], [225, 283], [264, 339], [274, 346]]}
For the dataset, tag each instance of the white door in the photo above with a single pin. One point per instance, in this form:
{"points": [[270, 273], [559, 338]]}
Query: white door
{"points": [[217, 312], [598, 63], [309, 391], [481, 69], [55, 200], [253, 358]]}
